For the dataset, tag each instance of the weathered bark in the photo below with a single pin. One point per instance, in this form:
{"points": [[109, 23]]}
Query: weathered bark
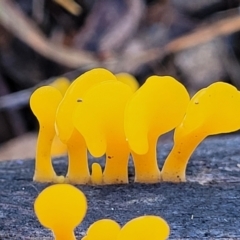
{"points": [[206, 207]]}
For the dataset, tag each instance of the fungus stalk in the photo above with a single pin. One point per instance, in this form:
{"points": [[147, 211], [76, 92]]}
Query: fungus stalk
{"points": [[97, 175], [174, 168], [78, 171], [63, 234], [211, 111], [116, 166], [146, 166], [43, 165], [44, 102]]}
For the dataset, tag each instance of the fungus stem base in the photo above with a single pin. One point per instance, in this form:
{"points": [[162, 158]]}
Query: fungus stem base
{"points": [[116, 167], [44, 171], [78, 170], [146, 166], [174, 168], [64, 235]]}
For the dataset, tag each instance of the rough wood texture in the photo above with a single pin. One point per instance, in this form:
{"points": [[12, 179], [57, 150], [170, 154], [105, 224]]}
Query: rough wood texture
{"points": [[206, 207]]}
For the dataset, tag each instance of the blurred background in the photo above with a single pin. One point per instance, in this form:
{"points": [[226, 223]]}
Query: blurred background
{"points": [[197, 42]]}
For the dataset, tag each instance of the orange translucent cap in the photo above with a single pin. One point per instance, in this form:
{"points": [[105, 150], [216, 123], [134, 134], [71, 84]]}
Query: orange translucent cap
{"points": [[213, 110], [104, 229], [61, 208], [99, 117], [145, 227], [72, 97], [155, 108]]}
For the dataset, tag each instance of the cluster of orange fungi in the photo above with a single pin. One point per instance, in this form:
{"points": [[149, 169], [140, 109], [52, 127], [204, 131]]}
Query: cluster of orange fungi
{"points": [[62, 207], [109, 115]]}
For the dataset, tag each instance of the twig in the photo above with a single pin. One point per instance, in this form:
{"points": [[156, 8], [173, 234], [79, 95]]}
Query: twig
{"points": [[199, 36], [125, 27], [12, 18], [204, 34]]}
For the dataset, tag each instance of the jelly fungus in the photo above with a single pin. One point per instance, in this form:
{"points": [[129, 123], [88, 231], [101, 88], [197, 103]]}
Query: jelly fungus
{"points": [[154, 109], [104, 229], [212, 110], [61, 208], [78, 171], [97, 175], [58, 148], [62, 84], [129, 80], [100, 119], [145, 227], [44, 102]]}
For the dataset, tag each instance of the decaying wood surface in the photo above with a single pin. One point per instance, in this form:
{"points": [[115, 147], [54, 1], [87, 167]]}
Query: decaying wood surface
{"points": [[206, 207]]}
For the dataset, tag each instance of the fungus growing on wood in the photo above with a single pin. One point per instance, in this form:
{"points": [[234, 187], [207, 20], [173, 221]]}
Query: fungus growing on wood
{"points": [[100, 119], [104, 229], [58, 147], [44, 102], [145, 227], [96, 175], [78, 171], [61, 208], [212, 110], [154, 109]]}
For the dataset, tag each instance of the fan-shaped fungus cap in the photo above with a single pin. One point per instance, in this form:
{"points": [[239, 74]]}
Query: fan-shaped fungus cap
{"points": [[78, 171], [44, 102], [145, 227], [73, 95], [212, 110], [61, 208], [128, 79], [104, 229], [100, 119], [155, 108]]}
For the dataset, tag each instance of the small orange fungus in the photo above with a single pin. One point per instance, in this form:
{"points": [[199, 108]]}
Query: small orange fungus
{"points": [[96, 176], [58, 148], [78, 171], [212, 110], [104, 229], [128, 79], [145, 227], [155, 108], [73, 96], [99, 117], [61, 208], [44, 102], [62, 84]]}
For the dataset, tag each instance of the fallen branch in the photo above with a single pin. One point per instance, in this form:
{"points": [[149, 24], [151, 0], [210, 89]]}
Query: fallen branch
{"points": [[199, 36], [130, 63], [14, 20]]}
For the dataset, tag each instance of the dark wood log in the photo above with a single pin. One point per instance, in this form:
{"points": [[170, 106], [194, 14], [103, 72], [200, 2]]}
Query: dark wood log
{"points": [[207, 206]]}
